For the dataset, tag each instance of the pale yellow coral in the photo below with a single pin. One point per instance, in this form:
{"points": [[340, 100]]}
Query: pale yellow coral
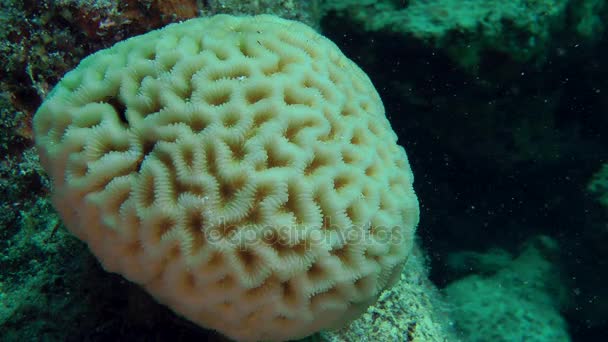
{"points": [[241, 169]]}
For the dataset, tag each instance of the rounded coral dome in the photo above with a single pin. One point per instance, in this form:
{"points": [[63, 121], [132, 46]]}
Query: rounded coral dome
{"points": [[240, 169]]}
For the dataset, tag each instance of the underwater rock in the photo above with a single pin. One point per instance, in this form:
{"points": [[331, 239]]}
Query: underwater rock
{"points": [[467, 30], [598, 186], [520, 302]]}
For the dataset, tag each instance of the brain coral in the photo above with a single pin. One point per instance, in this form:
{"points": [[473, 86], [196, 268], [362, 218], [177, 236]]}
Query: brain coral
{"points": [[241, 169]]}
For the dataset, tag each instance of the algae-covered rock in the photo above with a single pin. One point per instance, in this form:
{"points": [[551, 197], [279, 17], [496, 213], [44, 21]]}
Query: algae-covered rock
{"points": [[598, 186], [467, 30], [519, 302]]}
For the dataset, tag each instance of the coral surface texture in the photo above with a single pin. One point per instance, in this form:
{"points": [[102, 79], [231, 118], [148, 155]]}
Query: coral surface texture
{"points": [[240, 169]]}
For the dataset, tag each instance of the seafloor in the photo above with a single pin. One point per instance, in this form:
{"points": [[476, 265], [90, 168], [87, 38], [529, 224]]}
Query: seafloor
{"points": [[501, 106]]}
